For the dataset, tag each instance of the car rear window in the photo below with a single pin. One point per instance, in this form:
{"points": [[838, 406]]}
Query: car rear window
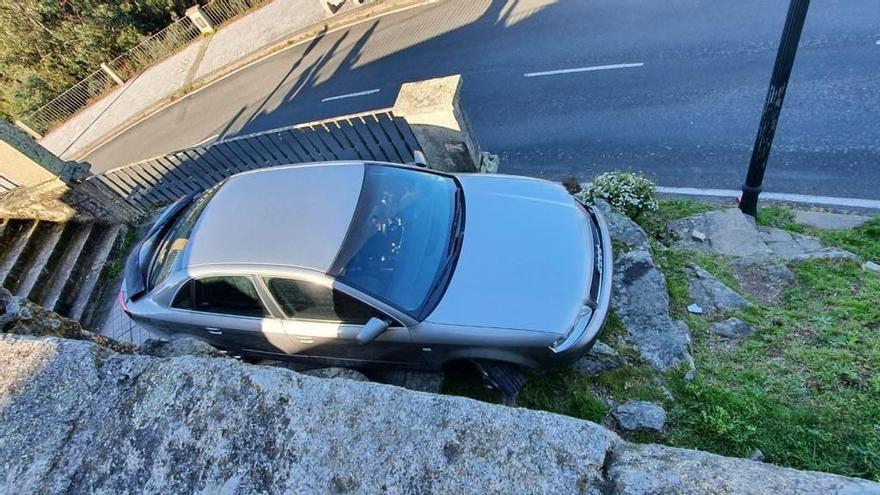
{"points": [[165, 261]]}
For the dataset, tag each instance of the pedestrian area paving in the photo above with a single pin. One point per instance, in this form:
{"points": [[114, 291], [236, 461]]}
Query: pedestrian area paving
{"points": [[204, 58], [117, 325]]}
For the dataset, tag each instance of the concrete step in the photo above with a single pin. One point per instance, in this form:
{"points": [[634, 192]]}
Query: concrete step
{"points": [[78, 291], [33, 256], [61, 265], [16, 237], [33, 261]]}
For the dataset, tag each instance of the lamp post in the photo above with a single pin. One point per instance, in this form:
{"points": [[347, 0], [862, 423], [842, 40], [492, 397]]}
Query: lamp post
{"points": [[791, 35]]}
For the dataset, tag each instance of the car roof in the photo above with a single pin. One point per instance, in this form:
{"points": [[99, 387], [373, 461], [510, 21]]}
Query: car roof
{"points": [[295, 215]]}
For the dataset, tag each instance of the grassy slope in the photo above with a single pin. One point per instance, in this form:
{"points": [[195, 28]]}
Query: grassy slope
{"points": [[804, 389]]}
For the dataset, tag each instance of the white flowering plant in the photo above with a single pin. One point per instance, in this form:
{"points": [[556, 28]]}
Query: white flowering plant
{"points": [[626, 192]]}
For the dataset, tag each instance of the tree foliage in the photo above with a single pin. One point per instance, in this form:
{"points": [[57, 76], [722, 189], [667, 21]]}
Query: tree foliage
{"points": [[48, 45]]}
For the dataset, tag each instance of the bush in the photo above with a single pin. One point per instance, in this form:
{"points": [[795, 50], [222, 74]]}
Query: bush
{"points": [[626, 192]]}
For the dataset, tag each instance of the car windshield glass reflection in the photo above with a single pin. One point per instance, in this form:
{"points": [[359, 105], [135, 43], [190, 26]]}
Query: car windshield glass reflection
{"points": [[398, 243]]}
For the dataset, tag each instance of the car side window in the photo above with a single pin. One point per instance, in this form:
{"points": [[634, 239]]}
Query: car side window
{"points": [[234, 295], [309, 301], [183, 298]]}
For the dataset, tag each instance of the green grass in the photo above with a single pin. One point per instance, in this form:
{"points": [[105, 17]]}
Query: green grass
{"points": [[673, 263], [560, 390], [563, 391], [111, 270], [805, 389], [632, 382], [614, 334], [129, 240], [779, 217], [863, 240]]}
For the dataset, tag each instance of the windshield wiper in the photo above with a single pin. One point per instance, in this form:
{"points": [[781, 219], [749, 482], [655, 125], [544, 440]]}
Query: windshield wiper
{"points": [[457, 230], [444, 274]]}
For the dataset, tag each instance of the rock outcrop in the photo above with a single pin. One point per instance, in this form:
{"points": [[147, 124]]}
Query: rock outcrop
{"points": [[727, 232], [345, 373], [641, 301], [640, 416], [654, 469], [759, 254], [710, 294], [622, 228], [732, 329], [731, 233], [599, 359], [22, 317], [79, 418], [789, 246], [421, 381]]}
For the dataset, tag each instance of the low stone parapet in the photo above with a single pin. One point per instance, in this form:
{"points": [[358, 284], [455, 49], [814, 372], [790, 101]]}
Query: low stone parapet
{"points": [[77, 417]]}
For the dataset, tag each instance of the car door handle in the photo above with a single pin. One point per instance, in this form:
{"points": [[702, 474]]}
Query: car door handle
{"points": [[214, 330]]}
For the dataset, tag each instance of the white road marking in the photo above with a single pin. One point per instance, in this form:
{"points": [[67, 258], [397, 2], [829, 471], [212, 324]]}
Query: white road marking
{"points": [[582, 69], [350, 95], [793, 198], [207, 140]]}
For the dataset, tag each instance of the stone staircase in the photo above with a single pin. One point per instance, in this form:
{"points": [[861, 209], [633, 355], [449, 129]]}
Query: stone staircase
{"points": [[56, 265]]}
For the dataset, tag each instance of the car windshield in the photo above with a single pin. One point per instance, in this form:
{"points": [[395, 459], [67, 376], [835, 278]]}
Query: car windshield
{"points": [[166, 259], [400, 245]]}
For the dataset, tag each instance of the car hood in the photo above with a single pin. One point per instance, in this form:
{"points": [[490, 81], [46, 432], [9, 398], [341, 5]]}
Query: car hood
{"points": [[525, 260]]}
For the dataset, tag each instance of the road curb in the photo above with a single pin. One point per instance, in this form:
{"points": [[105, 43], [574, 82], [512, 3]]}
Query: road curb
{"points": [[344, 20]]}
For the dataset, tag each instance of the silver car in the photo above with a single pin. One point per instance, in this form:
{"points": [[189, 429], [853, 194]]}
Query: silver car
{"points": [[377, 264]]}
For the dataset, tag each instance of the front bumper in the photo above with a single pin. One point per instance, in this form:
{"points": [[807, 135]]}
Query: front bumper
{"points": [[587, 330]]}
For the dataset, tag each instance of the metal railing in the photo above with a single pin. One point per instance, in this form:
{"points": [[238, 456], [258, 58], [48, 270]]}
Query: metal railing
{"points": [[176, 35], [220, 11], [372, 136], [152, 49], [69, 102]]}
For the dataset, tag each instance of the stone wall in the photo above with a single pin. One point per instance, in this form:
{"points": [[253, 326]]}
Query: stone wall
{"points": [[26, 163], [49, 188], [78, 418]]}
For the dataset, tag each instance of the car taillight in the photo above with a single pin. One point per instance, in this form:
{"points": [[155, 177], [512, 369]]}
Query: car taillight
{"points": [[122, 303]]}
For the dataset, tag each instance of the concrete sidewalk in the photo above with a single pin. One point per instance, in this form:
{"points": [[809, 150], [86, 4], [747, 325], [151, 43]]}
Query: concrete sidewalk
{"points": [[199, 63]]}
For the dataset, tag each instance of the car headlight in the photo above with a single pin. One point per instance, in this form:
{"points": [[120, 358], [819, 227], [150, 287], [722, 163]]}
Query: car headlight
{"points": [[577, 329]]}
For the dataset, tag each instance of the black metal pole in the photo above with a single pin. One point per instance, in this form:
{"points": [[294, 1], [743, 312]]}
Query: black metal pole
{"points": [[791, 35]]}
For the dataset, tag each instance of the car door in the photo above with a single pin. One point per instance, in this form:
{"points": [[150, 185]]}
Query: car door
{"points": [[227, 312], [325, 323]]}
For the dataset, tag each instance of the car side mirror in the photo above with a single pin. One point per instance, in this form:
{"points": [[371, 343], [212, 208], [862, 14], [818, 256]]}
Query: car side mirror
{"points": [[372, 329]]}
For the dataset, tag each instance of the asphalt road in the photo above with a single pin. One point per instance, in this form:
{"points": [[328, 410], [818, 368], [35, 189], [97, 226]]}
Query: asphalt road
{"points": [[686, 116]]}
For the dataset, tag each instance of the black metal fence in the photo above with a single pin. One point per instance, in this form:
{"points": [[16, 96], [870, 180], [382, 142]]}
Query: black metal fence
{"points": [[377, 136], [152, 49]]}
